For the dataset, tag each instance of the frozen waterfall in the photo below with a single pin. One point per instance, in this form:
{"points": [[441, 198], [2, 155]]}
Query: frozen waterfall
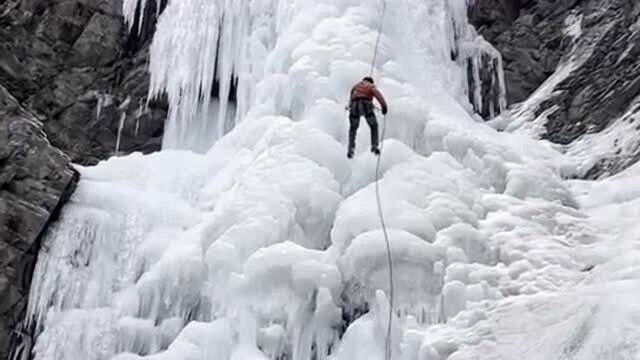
{"points": [[251, 236], [221, 61]]}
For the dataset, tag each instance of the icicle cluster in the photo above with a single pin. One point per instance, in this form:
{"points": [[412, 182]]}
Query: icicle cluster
{"points": [[134, 10], [204, 53], [486, 86]]}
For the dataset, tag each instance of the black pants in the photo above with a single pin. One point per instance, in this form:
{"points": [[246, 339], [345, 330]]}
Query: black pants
{"points": [[361, 107]]}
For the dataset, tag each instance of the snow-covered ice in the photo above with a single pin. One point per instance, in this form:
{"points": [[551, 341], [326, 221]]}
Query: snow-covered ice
{"points": [[263, 241]]}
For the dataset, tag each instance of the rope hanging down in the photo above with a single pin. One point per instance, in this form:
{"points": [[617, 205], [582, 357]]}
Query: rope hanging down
{"points": [[386, 239], [378, 200], [377, 45]]}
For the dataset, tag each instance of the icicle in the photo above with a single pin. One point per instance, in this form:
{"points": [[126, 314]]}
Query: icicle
{"points": [[120, 127], [125, 103], [502, 87], [476, 62], [139, 113], [104, 100], [129, 9], [99, 108]]}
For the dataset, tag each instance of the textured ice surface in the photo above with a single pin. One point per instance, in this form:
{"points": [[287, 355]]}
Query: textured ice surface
{"points": [[268, 246]]}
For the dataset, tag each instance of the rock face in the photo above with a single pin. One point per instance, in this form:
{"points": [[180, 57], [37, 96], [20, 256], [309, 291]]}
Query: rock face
{"points": [[73, 87], [72, 64], [35, 180], [528, 34], [591, 48]]}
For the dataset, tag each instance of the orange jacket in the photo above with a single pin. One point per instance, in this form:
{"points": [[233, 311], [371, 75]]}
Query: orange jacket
{"points": [[367, 91]]}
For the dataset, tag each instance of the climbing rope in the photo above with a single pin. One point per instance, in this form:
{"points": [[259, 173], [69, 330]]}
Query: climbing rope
{"points": [[378, 200], [386, 240], [377, 45]]}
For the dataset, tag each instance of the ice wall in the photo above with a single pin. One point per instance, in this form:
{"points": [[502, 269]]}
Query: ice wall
{"points": [[208, 56], [268, 245]]}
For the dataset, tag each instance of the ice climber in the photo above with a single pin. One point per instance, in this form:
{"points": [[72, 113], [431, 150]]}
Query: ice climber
{"points": [[361, 104]]}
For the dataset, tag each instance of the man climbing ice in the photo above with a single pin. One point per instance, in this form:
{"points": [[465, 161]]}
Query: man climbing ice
{"points": [[361, 104]]}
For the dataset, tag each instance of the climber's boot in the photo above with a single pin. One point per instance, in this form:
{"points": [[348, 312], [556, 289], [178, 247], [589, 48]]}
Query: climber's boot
{"points": [[350, 153]]}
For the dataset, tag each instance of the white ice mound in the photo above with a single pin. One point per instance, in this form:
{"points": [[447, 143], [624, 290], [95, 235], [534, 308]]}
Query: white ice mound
{"points": [[288, 267], [367, 337], [471, 242], [417, 266], [197, 341]]}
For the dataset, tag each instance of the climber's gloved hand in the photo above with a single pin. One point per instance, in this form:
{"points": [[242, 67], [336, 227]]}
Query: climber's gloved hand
{"points": [[384, 110]]}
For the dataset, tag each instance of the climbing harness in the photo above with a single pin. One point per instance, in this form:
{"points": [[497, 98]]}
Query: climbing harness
{"points": [[378, 200]]}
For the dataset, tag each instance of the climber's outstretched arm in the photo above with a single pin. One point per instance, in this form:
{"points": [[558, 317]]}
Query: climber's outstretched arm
{"points": [[383, 103]]}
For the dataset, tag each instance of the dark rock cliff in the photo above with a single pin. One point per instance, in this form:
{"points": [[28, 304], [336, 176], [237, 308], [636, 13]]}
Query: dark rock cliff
{"points": [[73, 65], [528, 34], [596, 43], [69, 76], [35, 180]]}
